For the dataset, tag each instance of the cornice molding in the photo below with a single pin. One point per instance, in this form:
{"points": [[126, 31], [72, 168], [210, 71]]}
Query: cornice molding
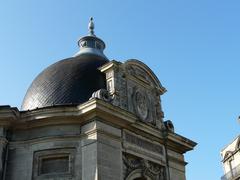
{"points": [[86, 112]]}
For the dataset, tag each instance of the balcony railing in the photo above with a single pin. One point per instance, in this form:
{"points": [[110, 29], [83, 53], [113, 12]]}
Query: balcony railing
{"points": [[232, 175]]}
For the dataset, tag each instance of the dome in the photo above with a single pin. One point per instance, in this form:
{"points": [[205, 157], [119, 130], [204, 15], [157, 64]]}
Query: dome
{"points": [[69, 81], [72, 80]]}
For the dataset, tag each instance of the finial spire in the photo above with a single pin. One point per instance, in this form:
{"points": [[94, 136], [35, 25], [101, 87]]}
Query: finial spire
{"points": [[91, 27], [91, 44]]}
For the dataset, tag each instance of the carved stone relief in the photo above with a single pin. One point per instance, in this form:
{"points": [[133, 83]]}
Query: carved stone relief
{"points": [[102, 94], [141, 104], [139, 74], [143, 95], [142, 167], [135, 88], [122, 89], [116, 85]]}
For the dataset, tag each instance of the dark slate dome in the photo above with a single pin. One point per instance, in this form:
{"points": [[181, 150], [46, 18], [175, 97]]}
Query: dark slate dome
{"points": [[72, 80]]}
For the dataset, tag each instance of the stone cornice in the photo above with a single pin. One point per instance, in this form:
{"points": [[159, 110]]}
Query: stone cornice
{"points": [[80, 114], [67, 114], [108, 65], [177, 142], [8, 115]]}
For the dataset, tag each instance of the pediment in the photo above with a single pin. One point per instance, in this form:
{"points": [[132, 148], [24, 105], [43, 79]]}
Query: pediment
{"points": [[135, 88], [143, 73]]}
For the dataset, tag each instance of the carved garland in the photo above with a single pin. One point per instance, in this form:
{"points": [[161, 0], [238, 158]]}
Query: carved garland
{"points": [[147, 168]]}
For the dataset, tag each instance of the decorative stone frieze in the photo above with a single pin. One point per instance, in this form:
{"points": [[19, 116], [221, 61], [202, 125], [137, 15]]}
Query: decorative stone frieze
{"points": [[144, 147], [140, 142]]}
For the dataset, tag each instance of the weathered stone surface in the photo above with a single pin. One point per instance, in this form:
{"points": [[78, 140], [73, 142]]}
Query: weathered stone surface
{"points": [[135, 88], [121, 137], [136, 167], [101, 152]]}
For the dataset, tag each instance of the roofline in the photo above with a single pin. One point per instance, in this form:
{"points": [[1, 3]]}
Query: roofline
{"points": [[82, 113]]}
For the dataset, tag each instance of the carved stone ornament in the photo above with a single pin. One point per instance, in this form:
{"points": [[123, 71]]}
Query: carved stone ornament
{"points": [[135, 167], [141, 104], [102, 94]]}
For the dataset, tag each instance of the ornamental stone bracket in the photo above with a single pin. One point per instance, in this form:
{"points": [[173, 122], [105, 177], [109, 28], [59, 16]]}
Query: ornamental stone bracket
{"points": [[136, 167], [102, 94]]}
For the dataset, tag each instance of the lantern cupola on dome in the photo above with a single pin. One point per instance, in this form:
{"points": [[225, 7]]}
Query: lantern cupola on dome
{"points": [[91, 44]]}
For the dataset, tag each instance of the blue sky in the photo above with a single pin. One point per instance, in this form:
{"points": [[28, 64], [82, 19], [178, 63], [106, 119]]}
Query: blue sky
{"points": [[192, 46]]}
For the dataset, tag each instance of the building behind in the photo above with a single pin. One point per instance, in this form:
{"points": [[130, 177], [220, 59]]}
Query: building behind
{"points": [[89, 118], [231, 160]]}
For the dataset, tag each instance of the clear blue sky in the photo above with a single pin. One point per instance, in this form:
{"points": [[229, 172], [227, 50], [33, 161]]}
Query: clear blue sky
{"points": [[191, 45]]}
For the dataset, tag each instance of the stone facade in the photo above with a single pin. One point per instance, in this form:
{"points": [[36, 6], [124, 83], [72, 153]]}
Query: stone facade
{"points": [[119, 134], [231, 160]]}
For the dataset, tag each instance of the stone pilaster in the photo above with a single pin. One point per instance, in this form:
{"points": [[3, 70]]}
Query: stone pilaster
{"points": [[101, 152], [3, 149]]}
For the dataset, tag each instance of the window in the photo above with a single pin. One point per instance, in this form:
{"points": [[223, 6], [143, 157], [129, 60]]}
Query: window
{"points": [[53, 163], [98, 45], [83, 44]]}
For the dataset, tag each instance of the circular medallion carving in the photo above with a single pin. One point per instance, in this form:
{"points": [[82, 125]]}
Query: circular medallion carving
{"points": [[141, 104]]}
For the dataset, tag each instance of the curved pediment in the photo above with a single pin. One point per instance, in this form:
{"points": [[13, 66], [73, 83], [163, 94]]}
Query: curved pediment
{"points": [[143, 73], [135, 88]]}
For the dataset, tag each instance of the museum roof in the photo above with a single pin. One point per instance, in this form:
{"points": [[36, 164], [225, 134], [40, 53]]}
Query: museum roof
{"points": [[71, 80]]}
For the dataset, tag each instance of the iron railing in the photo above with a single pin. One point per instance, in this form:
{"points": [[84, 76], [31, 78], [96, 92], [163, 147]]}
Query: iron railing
{"points": [[232, 175]]}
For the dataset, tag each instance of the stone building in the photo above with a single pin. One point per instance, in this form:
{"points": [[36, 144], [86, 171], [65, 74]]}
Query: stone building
{"points": [[231, 160], [89, 118]]}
